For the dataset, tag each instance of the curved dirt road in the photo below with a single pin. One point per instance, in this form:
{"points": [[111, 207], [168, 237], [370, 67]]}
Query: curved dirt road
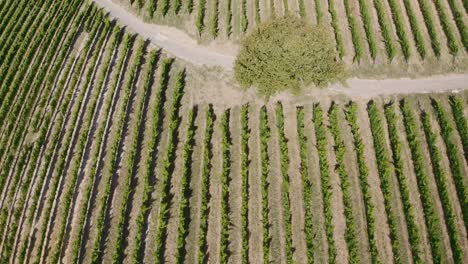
{"points": [[172, 40], [181, 45]]}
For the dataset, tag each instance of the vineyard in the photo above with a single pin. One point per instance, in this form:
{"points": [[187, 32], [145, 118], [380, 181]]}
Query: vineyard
{"points": [[109, 153], [367, 33]]}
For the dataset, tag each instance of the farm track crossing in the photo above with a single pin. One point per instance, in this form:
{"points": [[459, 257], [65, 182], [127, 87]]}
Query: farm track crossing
{"points": [[108, 155]]}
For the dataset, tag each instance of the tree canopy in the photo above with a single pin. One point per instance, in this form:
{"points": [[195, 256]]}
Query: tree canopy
{"points": [[287, 53]]}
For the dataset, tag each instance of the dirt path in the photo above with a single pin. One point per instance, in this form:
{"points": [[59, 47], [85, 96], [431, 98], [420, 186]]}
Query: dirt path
{"points": [[367, 88], [181, 45], [172, 40]]}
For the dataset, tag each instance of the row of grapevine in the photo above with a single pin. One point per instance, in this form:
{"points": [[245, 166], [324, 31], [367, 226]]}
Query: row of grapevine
{"points": [[447, 27], [272, 9], [200, 18], [163, 6], [115, 147], [48, 170], [353, 27], [264, 131], [385, 29], [16, 31], [442, 185], [18, 138], [302, 9], [306, 183], [461, 122], [430, 26], [351, 113], [215, 19], [17, 71], [76, 138], [135, 145], [55, 138], [257, 11], [8, 12], [139, 3], [17, 23], [368, 27], [190, 6], [13, 75], [83, 141], [168, 166], [286, 7], [415, 29], [184, 204], [431, 217], [38, 70], [205, 187], [452, 151], [101, 139], [385, 173], [244, 174], [398, 20], [244, 19], [336, 28], [285, 186], [229, 17], [396, 146], [458, 17], [225, 179], [340, 152], [322, 145], [40, 81], [318, 12], [21, 163], [150, 8], [37, 76], [156, 124], [177, 6]]}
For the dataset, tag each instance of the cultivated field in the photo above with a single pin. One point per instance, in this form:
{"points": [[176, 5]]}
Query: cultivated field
{"points": [[111, 152], [375, 36]]}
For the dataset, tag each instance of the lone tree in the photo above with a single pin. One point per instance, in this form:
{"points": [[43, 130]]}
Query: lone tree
{"points": [[287, 53]]}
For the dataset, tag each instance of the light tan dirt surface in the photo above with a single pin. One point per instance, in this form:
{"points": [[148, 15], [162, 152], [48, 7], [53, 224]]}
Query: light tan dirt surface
{"points": [[172, 40]]}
